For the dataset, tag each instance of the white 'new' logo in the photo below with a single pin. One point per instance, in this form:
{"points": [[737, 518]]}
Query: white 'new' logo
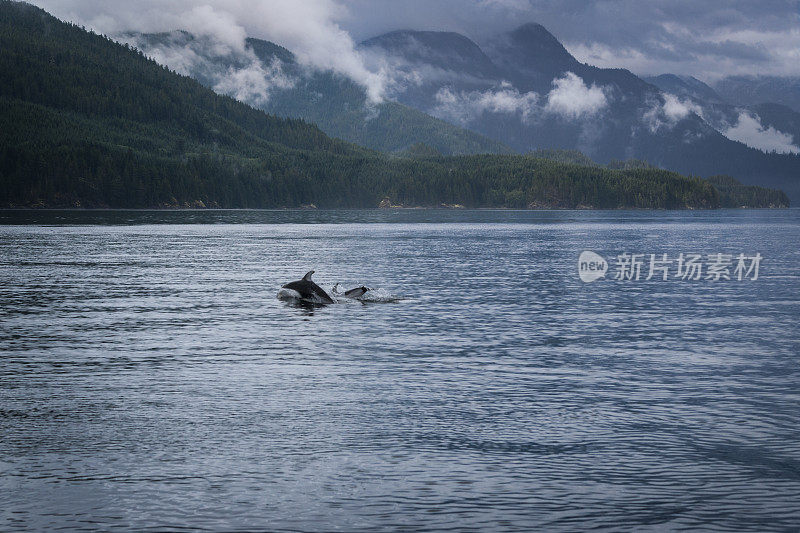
{"points": [[591, 266]]}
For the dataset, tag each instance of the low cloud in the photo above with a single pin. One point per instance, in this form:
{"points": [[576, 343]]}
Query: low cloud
{"points": [[254, 83], [571, 97], [678, 50], [670, 111], [676, 109], [464, 107], [708, 40], [400, 75], [653, 37], [751, 132], [228, 68], [309, 28]]}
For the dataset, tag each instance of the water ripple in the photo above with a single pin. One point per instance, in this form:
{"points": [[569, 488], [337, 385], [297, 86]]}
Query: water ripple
{"points": [[150, 380]]}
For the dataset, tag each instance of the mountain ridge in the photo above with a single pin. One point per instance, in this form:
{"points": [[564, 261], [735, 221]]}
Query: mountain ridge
{"points": [[332, 101], [523, 91], [753, 90], [88, 122], [685, 86], [557, 102], [457, 50]]}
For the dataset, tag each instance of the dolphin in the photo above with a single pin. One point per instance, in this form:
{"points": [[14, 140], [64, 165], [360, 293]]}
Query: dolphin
{"points": [[308, 290], [356, 293]]}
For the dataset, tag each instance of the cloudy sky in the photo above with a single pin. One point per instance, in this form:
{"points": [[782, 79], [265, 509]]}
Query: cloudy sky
{"points": [[707, 39]]}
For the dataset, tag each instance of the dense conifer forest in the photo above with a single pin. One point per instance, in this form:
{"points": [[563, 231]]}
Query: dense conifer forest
{"points": [[87, 122]]}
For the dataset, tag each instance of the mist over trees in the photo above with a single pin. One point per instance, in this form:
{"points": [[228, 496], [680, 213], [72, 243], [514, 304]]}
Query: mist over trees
{"points": [[88, 122]]}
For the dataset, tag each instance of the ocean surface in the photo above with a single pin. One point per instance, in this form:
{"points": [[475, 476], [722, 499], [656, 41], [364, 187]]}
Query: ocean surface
{"points": [[150, 378]]}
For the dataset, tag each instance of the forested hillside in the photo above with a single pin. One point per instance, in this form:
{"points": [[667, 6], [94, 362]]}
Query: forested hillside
{"points": [[87, 122], [525, 89], [733, 194], [335, 103]]}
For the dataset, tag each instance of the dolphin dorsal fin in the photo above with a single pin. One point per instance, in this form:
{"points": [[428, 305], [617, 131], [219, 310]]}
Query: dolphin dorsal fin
{"points": [[307, 277]]}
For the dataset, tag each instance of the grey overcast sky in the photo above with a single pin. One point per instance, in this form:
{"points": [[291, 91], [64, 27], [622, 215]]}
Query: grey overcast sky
{"points": [[707, 39]]}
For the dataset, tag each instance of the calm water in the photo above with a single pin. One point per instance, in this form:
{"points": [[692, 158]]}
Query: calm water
{"points": [[149, 377]]}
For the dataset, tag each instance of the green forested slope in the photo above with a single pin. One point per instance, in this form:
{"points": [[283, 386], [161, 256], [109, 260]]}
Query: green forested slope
{"points": [[339, 107], [335, 103], [87, 122], [733, 193]]}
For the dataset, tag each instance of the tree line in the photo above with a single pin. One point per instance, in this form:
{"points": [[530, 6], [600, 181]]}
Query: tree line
{"points": [[88, 122]]}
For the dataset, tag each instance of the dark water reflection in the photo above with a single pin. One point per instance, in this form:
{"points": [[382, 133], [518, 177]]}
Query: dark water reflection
{"points": [[150, 378]]}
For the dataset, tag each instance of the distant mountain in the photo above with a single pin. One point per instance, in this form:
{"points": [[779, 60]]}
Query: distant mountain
{"points": [[725, 117], [533, 94], [340, 108], [781, 118], [753, 90], [507, 101], [87, 122], [768, 126], [462, 55], [521, 91], [685, 87], [533, 51], [333, 102], [531, 58]]}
